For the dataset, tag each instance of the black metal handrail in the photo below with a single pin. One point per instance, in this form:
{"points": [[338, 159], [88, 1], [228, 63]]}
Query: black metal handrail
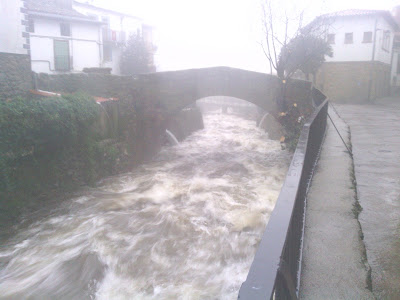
{"points": [[275, 271]]}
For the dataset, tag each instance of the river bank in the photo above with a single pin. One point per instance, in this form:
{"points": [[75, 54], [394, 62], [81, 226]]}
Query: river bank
{"points": [[54, 146]]}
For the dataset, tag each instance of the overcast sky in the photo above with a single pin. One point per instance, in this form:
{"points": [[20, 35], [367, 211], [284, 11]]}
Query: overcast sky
{"points": [[203, 33]]}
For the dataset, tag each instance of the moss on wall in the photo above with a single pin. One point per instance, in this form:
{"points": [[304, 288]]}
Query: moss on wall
{"points": [[50, 145], [15, 75]]}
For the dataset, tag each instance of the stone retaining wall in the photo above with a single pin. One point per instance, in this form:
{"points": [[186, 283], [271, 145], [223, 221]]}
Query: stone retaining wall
{"points": [[354, 81], [15, 75], [95, 84], [185, 123]]}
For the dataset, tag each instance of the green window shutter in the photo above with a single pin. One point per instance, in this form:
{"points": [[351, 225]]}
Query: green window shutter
{"points": [[61, 55]]}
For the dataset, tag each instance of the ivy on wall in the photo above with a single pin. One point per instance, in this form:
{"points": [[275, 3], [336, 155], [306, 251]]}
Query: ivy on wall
{"points": [[49, 144]]}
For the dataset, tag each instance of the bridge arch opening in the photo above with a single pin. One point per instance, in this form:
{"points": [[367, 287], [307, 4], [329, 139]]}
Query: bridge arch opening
{"points": [[230, 105], [190, 118]]}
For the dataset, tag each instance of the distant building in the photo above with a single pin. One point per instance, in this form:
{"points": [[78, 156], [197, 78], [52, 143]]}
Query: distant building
{"points": [[362, 43], [395, 84], [70, 36], [62, 39], [117, 28], [15, 66], [13, 27]]}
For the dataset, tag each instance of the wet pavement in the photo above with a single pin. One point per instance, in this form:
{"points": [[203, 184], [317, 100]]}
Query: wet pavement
{"points": [[375, 135], [334, 264]]}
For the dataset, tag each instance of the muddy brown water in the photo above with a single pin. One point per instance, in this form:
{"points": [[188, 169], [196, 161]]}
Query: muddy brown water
{"points": [[183, 226]]}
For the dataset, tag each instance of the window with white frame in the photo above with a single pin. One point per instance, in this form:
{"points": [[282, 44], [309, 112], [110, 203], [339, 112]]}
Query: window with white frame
{"points": [[386, 40], [367, 38], [331, 38], [348, 38], [65, 29], [107, 52]]}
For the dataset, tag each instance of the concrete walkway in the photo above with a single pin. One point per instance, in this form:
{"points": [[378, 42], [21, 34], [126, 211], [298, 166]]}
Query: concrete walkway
{"points": [[375, 131], [334, 262]]}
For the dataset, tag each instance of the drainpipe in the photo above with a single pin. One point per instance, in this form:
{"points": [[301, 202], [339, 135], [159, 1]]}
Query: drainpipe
{"points": [[71, 59], [374, 46], [372, 61], [391, 66], [42, 60], [100, 46]]}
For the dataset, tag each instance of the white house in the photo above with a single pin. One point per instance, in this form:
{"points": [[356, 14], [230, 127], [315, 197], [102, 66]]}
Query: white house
{"points": [[116, 30], [13, 21], [62, 39], [70, 36], [362, 44], [15, 65]]}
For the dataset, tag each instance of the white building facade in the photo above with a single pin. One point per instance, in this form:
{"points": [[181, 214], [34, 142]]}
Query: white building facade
{"points": [[13, 22], [15, 64], [61, 39], [362, 44], [116, 30], [366, 38], [70, 36]]}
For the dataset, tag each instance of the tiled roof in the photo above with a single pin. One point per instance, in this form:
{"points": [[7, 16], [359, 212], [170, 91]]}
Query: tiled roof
{"points": [[50, 7], [354, 12]]}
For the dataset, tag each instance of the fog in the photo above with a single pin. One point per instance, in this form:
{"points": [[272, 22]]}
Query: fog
{"points": [[194, 34]]}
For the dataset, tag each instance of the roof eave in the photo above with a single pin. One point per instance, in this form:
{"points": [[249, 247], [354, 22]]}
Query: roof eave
{"points": [[63, 17], [107, 10], [385, 14]]}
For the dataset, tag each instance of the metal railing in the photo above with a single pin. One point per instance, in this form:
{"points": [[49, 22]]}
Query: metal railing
{"points": [[276, 268]]}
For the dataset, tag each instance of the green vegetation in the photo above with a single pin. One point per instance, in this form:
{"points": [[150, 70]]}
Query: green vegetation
{"points": [[49, 145], [137, 56], [305, 52], [292, 121]]}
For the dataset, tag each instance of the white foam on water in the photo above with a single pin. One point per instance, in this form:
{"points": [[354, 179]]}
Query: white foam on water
{"points": [[184, 226]]}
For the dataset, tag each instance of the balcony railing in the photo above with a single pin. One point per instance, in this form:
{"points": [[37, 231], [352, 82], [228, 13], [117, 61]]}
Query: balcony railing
{"points": [[113, 36]]}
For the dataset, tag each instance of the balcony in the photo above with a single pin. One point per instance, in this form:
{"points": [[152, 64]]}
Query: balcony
{"points": [[113, 36]]}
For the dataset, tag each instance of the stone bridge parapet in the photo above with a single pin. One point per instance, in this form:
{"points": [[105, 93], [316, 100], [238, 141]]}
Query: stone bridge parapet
{"points": [[174, 90]]}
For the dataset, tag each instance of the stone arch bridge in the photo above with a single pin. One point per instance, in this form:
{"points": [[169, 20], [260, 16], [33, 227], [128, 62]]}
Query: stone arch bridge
{"points": [[174, 90], [158, 97]]}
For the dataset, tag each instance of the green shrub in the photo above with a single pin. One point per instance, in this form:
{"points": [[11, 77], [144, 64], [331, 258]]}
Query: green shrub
{"points": [[45, 144], [31, 126]]}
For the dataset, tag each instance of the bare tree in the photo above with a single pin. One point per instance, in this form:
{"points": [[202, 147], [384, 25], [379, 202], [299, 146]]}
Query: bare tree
{"points": [[282, 30], [278, 30], [289, 46]]}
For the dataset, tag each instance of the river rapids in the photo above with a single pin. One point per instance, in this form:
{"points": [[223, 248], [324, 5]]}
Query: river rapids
{"points": [[184, 226]]}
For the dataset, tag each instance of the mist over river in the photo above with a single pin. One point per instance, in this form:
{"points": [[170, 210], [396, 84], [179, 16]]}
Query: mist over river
{"points": [[183, 226]]}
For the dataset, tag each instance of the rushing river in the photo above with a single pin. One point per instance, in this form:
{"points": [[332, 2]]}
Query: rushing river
{"points": [[184, 226]]}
